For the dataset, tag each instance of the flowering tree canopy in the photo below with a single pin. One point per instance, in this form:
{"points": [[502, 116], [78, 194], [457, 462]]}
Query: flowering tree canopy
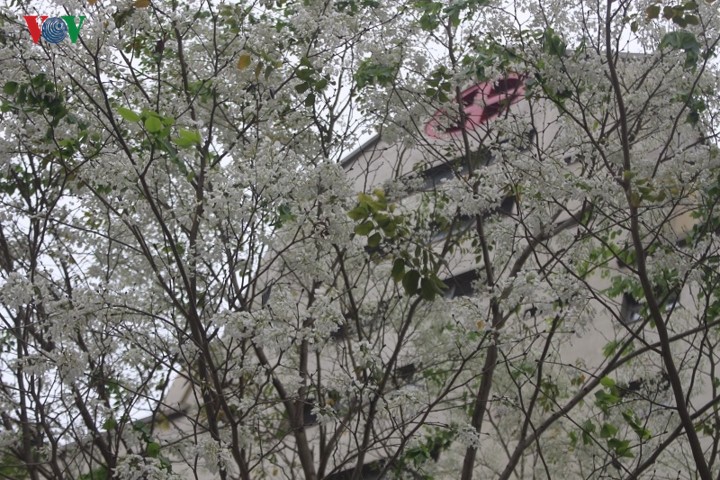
{"points": [[516, 277]]}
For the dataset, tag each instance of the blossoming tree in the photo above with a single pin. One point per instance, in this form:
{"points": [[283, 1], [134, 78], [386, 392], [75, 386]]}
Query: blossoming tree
{"points": [[174, 212]]}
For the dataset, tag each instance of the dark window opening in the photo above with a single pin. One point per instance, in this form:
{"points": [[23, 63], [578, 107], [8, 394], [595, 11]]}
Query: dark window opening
{"points": [[463, 223], [495, 109], [507, 84], [461, 285], [532, 137], [404, 375], [341, 333], [369, 471], [645, 387], [460, 225], [507, 206], [632, 311], [309, 418], [434, 176]]}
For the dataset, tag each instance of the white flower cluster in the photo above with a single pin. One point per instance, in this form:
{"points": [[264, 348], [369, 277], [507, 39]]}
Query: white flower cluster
{"points": [[16, 291], [468, 436], [136, 467]]}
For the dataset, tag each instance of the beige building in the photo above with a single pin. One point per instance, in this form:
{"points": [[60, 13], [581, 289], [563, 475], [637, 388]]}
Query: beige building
{"points": [[441, 152]]}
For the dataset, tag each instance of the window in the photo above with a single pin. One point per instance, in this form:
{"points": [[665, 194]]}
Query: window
{"points": [[507, 206], [461, 285], [404, 375], [434, 176], [309, 418], [460, 225], [631, 310], [370, 471], [463, 223], [342, 331]]}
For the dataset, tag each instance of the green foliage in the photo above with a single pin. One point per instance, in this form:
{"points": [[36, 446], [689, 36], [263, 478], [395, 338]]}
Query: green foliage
{"points": [[437, 441], [153, 124], [109, 424], [550, 393], [371, 73], [398, 270], [608, 397], [10, 88], [313, 81], [128, 114], [636, 424], [431, 10], [187, 138], [100, 473], [11, 467], [410, 282], [695, 105], [39, 95], [387, 232], [433, 13], [284, 214], [553, 43], [686, 41], [439, 85], [353, 7], [152, 447], [682, 14]]}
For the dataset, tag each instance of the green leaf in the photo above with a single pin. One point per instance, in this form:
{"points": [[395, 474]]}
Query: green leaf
{"points": [[305, 74], [143, 428], [634, 423], [607, 382], [390, 228], [153, 449], [358, 213], [410, 282], [427, 289], [310, 100], [100, 473], [553, 43], [244, 61], [588, 430], [610, 348], [374, 240], [686, 41], [607, 430], [438, 284], [653, 12], [128, 114], [10, 88], [369, 73], [365, 228], [187, 138], [153, 124], [621, 447], [284, 214], [398, 269], [109, 424]]}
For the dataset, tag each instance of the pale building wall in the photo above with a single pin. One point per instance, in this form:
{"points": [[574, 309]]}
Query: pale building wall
{"points": [[376, 162]]}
